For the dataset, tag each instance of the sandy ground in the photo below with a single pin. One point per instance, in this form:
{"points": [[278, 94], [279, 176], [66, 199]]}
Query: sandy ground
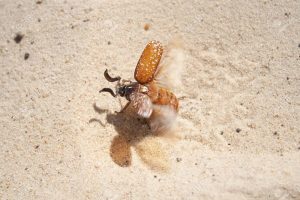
{"points": [[239, 122]]}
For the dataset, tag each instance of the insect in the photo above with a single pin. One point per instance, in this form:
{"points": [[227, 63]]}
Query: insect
{"points": [[156, 74]]}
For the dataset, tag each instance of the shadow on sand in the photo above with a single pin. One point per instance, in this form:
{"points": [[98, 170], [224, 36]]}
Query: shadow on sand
{"points": [[133, 132]]}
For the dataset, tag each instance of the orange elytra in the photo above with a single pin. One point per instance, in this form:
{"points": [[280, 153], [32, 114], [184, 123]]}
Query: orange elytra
{"points": [[148, 62]]}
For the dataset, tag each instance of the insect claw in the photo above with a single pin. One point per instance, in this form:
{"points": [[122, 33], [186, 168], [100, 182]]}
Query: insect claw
{"points": [[109, 78], [109, 91]]}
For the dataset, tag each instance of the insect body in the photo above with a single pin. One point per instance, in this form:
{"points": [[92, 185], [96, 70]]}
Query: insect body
{"points": [[162, 96], [150, 94]]}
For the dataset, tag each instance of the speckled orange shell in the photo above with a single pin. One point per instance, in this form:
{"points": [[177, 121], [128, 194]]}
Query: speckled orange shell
{"points": [[149, 60]]}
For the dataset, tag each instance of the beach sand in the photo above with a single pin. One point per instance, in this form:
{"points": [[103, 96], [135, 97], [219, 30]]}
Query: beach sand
{"points": [[238, 134]]}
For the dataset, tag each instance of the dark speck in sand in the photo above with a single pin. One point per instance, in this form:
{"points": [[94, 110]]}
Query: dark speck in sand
{"points": [[18, 38], [178, 159], [275, 133], [37, 146], [238, 130], [39, 2], [26, 56], [109, 43]]}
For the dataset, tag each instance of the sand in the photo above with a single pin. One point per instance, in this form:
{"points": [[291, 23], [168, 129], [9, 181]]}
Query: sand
{"points": [[238, 124]]}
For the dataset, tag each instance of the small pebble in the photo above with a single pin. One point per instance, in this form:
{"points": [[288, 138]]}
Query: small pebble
{"points": [[37, 146], [146, 27], [275, 133], [238, 130], [109, 43], [178, 159]]}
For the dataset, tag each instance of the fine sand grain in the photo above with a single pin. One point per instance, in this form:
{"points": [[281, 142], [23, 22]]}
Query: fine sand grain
{"points": [[238, 134]]}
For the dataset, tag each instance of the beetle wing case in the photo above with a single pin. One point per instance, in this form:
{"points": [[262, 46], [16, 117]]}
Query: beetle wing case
{"points": [[148, 62]]}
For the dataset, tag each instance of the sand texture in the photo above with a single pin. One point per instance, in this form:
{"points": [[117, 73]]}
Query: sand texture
{"points": [[238, 133]]}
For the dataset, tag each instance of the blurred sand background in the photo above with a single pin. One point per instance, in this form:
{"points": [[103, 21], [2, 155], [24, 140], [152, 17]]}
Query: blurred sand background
{"points": [[239, 122]]}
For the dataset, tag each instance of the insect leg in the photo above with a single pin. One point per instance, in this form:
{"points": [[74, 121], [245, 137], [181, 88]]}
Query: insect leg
{"points": [[182, 98], [109, 91], [109, 78]]}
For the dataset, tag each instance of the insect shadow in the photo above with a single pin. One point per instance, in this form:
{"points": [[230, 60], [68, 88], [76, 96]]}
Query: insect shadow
{"points": [[131, 130]]}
